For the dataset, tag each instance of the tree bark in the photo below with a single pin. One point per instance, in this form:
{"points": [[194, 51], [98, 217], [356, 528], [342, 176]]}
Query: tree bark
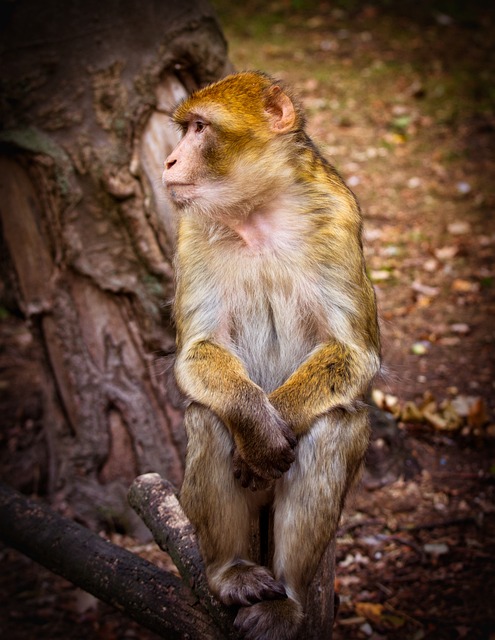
{"points": [[87, 240]]}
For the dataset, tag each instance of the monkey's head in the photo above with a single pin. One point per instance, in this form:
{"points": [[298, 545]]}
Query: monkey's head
{"points": [[237, 142]]}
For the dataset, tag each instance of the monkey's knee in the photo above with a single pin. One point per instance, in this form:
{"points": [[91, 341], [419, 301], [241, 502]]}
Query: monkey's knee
{"points": [[270, 620], [244, 583]]}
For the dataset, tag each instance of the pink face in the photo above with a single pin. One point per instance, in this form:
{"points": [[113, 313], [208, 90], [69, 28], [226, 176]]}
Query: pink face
{"points": [[185, 168]]}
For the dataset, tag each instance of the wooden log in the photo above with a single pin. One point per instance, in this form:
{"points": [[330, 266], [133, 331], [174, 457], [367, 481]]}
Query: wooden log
{"points": [[155, 500], [156, 599]]}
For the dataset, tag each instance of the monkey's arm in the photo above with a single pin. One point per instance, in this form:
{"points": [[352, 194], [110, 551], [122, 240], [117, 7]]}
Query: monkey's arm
{"points": [[333, 376], [213, 377]]}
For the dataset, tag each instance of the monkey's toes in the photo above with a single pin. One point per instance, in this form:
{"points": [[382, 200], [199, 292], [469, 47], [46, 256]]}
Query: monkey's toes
{"points": [[270, 620], [243, 584]]}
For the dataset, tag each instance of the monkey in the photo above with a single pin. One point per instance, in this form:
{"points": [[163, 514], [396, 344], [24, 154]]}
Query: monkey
{"points": [[277, 341]]}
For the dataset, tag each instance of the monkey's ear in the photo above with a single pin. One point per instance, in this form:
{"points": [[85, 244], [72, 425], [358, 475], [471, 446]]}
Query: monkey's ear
{"points": [[280, 110]]}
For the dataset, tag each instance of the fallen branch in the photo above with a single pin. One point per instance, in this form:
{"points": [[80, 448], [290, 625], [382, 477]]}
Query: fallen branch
{"points": [[156, 599], [154, 499], [438, 524]]}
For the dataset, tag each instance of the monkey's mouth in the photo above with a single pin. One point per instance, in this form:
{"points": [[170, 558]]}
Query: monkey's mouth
{"points": [[179, 190], [172, 185]]}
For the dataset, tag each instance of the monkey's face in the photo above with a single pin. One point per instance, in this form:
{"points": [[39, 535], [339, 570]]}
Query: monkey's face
{"points": [[215, 169], [232, 154], [186, 169]]}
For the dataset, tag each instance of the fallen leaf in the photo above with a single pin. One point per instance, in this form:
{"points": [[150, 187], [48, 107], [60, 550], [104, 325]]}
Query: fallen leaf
{"points": [[463, 187], [393, 620], [379, 275], [421, 348], [446, 253], [430, 265], [477, 416], [369, 610], [425, 289], [464, 286], [436, 548], [450, 341], [414, 182], [355, 620], [462, 404], [460, 327], [435, 420], [411, 413], [452, 417], [459, 228]]}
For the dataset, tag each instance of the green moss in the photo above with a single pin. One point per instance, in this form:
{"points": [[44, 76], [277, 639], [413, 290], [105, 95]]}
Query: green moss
{"points": [[36, 141]]}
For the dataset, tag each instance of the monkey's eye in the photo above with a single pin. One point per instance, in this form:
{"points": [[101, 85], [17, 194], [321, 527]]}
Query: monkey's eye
{"points": [[199, 126]]}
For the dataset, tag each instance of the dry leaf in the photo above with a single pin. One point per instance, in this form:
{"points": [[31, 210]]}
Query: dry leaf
{"points": [[436, 548], [435, 420], [420, 348], [379, 275], [477, 416], [369, 610], [425, 289], [459, 228], [411, 413], [462, 404], [464, 286], [446, 253]]}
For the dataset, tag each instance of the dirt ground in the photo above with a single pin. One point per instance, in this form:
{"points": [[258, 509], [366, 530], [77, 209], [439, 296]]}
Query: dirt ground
{"points": [[403, 103]]}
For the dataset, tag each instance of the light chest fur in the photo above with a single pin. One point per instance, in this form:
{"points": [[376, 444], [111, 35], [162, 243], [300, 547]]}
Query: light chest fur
{"points": [[267, 302]]}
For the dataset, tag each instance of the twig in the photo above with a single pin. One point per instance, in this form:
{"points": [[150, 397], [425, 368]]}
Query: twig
{"points": [[437, 525]]}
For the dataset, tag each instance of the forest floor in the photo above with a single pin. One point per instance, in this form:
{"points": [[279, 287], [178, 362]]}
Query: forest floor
{"points": [[402, 102]]}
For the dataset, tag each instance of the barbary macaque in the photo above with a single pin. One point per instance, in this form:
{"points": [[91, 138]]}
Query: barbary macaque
{"points": [[277, 342]]}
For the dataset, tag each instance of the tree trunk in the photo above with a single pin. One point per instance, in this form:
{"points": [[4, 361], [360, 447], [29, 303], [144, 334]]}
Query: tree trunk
{"points": [[87, 238]]}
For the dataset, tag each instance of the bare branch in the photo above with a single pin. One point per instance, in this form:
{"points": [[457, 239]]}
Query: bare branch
{"points": [[155, 500], [155, 598]]}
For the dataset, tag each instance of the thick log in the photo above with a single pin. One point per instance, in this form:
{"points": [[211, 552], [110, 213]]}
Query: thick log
{"points": [[156, 599]]}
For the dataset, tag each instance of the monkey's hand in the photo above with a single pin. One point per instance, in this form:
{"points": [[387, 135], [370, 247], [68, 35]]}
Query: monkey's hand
{"points": [[265, 455], [246, 476]]}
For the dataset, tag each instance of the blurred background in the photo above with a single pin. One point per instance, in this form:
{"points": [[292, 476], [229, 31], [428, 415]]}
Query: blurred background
{"points": [[400, 97]]}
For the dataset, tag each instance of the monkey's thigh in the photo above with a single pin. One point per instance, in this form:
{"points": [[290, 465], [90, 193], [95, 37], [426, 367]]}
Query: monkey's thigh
{"points": [[310, 496], [212, 498]]}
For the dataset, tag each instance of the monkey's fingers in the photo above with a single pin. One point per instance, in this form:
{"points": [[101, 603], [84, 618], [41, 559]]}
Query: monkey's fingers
{"points": [[283, 461], [289, 436], [248, 478], [245, 583]]}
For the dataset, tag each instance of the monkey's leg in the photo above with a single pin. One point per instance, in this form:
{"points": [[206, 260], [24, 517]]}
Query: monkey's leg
{"points": [[219, 509], [308, 503]]}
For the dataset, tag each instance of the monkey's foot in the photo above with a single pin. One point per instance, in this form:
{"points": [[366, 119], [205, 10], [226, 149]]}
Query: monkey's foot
{"points": [[245, 583], [270, 620]]}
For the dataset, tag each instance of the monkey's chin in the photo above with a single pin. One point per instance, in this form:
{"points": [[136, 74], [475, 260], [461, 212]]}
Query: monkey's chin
{"points": [[182, 195]]}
